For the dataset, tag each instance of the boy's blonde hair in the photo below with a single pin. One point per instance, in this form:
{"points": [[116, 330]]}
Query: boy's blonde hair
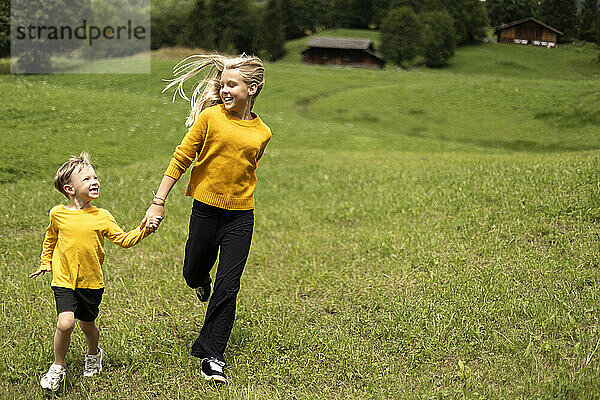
{"points": [[206, 93], [63, 175]]}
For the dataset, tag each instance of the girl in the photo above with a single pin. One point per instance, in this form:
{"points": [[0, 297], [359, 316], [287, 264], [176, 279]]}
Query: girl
{"points": [[226, 139]]}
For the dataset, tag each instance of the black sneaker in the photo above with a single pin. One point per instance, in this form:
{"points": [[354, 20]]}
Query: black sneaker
{"points": [[212, 370], [203, 292]]}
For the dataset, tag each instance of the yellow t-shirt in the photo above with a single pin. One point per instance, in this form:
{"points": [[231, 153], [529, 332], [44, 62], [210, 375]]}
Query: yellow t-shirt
{"points": [[226, 150], [74, 245]]}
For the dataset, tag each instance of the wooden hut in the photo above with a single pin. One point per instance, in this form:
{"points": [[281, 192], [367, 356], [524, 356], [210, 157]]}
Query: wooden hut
{"points": [[342, 51], [528, 31]]}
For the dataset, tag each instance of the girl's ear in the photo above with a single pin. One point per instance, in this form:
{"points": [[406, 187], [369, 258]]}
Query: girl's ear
{"points": [[252, 89]]}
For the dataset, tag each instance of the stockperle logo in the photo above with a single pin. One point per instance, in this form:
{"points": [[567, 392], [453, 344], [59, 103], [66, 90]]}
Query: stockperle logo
{"points": [[80, 36], [86, 32]]}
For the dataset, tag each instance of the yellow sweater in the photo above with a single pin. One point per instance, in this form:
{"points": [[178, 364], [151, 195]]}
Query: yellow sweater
{"points": [[74, 245], [227, 150]]}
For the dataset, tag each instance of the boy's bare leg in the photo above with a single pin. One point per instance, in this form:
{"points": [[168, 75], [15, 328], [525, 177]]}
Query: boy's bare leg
{"points": [[92, 335], [62, 336]]}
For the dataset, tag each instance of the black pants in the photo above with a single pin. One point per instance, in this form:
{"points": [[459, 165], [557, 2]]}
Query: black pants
{"points": [[211, 229]]}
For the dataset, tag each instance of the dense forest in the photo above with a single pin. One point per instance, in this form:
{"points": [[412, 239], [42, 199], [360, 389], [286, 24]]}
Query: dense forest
{"points": [[431, 28], [408, 27]]}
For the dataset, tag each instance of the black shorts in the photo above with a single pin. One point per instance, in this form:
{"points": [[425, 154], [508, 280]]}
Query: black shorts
{"points": [[83, 302]]}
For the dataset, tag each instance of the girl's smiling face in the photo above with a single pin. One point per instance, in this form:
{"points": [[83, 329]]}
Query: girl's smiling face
{"points": [[235, 94]]}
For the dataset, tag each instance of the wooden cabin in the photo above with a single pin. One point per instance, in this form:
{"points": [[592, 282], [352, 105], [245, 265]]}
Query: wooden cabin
{"points": [[342, 51], [528, 31]]}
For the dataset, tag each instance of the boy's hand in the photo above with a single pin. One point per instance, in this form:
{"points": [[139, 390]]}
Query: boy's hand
{"points": [[38, 272], [156, 213], [153, 223]]}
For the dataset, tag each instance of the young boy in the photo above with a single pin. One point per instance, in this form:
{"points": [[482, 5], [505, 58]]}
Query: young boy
{"points": [[74, 251]]}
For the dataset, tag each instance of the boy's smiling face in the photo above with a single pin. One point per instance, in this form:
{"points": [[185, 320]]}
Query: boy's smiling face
{"points": [[84, 184]]}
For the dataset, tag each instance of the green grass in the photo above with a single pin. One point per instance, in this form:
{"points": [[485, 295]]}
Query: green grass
{"points": [[4, 66], [424, 234], [120, 65], [566, 62]]}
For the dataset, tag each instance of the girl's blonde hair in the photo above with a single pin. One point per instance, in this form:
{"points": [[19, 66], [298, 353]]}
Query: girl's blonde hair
{"points": [[206, 93], [63, 175]]}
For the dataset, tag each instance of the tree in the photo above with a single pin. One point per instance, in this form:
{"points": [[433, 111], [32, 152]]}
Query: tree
{"points": [[170, 21], [4, 28], [380, 10], [234, 25], [401, 33], [382, 7], [560, 14], [439, 38], [111, 13], [503, 11], [34, 56], [350, 13], [313, 15], [597, 30], [198, 31], [416, 5], [270, 36], [470, 17], [586, 27], [293, 26]]}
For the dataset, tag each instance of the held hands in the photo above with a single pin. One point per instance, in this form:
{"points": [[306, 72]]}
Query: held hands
{"points": [[152, 224], [154, 216]]}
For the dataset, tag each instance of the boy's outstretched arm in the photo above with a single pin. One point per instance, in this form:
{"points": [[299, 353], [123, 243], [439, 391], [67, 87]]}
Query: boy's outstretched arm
{"points": [[119, 237], [50, 240], [38, 272]]}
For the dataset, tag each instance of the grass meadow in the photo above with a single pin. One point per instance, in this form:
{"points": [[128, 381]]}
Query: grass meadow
{"points": [[427, 234]]}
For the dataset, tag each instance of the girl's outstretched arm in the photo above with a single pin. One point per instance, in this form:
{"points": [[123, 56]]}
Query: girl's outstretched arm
{"points": [[157, 208]]}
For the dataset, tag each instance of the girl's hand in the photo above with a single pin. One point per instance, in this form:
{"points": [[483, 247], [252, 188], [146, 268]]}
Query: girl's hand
{"points": [[154, 216], [38, 272], [153, 223], [156, 211]]}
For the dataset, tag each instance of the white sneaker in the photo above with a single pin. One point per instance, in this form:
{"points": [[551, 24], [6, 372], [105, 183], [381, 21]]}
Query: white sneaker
{"points": [[92, 364], [212, 370], [54, 377]]}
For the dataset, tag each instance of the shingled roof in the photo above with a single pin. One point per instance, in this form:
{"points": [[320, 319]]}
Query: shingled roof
{"points": [[508, 25], [340, 43], [325, 42]]}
